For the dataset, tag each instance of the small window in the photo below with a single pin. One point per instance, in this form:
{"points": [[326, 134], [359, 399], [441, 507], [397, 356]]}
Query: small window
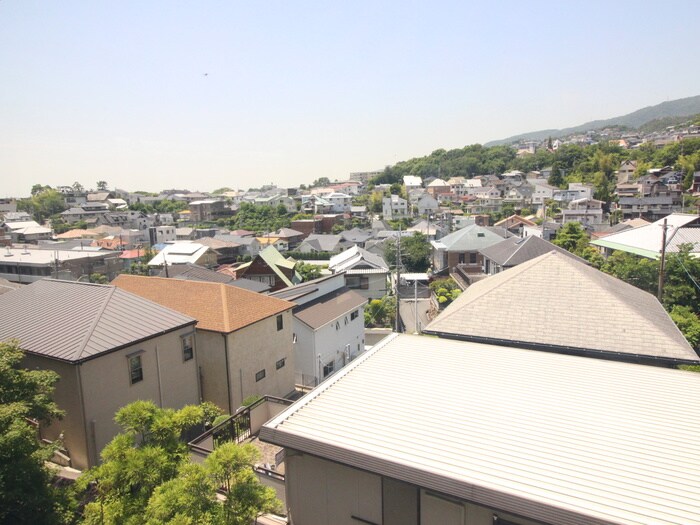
{"points": [[135, 369], [294, 338], [280, 364], [187, 347], [346, 319], [328, 368], [280, 323], [260, 375], [337, 325], [354, 315]]}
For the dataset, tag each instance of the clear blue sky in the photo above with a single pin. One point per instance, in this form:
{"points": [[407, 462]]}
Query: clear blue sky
{"points": [[298, 90]]}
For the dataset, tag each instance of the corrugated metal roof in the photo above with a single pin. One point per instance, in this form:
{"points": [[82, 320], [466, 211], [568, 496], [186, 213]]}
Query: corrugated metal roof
{"points": [[216, 306], [563, 302], [74, 321], [555, 438]]}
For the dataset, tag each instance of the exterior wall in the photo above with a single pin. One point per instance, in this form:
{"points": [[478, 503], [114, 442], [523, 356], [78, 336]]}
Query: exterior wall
{"points": [[168, 381], [212, 363], [453, 259], [315, 348], [376, 286], [67, 397], [321, 492], [258, 347]]}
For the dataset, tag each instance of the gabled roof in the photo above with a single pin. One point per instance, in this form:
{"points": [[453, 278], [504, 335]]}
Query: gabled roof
{"points": [[179, 253], [469, 238], [514, 219], [288, 232], [194, 272], [347, 260], [566, 304], [323, 242], [646, 240], [517, 250], [73, 321], [356, 235], [329, 307], [547, 437], [216, 306]]}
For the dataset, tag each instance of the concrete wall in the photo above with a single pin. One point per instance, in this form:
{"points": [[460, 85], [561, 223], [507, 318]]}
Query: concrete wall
{"points": [[212, 364], [258, 347]]}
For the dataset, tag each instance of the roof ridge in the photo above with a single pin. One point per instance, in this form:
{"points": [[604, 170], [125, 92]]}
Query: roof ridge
{"points": [[519, 244], [95, 321], [223, 291]]}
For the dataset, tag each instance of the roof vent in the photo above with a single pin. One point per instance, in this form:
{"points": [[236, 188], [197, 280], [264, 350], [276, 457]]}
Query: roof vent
{"points": [[481, 234]]}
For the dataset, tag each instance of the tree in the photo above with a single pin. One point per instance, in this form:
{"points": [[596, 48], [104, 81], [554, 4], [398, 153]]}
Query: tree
{"points": [[381, 312], [77, 187], [571, 237], [415, 252], [102, 185], [43, 204], [38, 188], [308, 272], [26, 494], [320, 182], [98, 278], [146, 475], [688, 323]]}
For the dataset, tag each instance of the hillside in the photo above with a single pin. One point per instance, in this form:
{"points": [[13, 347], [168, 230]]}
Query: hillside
{"points": [[684, 107]]}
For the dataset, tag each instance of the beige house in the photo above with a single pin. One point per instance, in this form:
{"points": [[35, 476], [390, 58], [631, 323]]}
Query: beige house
{"points": [[506, 436], [109, 347], [244, 340]]}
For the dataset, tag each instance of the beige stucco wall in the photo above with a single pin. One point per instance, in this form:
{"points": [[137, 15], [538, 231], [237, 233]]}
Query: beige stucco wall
{"points": [[67, 397], [256, 347], [212, 362]]}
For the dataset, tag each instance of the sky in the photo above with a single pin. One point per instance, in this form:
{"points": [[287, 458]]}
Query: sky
{"points": [[149, 95]]}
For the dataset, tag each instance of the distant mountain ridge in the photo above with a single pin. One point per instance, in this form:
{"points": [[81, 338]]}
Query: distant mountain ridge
{"points": [[673, 108]]}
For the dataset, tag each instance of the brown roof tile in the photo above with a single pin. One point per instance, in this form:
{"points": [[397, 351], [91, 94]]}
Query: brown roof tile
{"points": [[216, 306]]}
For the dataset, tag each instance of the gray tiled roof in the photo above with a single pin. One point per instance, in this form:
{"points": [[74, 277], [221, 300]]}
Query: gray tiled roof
{"points": [[74, 322], [471, 238], [517, 250], [555, 300]]}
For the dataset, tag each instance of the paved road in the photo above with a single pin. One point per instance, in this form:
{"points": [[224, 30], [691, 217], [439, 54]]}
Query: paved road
{"points": [[407, 310]]}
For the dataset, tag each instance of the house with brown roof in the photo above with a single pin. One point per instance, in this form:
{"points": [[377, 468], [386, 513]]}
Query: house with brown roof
{"points": [[109, 347], [244, 340]]}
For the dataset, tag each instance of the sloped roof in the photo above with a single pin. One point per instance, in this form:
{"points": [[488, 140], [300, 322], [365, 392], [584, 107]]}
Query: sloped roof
{"points": [[194, 272], [566, 304], [288, 232], [548, 437], [179, 253], [646, 240], [514, 219], [517, 250], [351, 257], [8, 286], [470, 238], [323, 242], [73, 321], [329, 307], [216, 306]]}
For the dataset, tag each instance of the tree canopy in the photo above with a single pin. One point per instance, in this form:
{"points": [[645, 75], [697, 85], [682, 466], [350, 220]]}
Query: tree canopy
{"points": [[415, 252]]}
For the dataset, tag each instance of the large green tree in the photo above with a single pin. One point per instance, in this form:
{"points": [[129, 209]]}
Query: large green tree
{"points": [[415, 252], [26, 493]]}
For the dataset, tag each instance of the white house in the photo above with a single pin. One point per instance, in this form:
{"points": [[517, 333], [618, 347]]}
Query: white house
{"points": [[365, 272], [328, 327], [411, 182], [394, 207]]}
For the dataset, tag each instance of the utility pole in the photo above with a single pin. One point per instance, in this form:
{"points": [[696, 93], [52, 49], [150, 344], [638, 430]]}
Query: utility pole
{"points": [[662, 262], [398, 278]]}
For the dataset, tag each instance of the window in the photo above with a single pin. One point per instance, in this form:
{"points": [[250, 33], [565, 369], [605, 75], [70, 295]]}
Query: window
{"points": [[472, 258], [328, 368], [187, 347], [259, 375], [294, 338], [135, 369], [346, 319], [280, 323], [354, 315], [280, 364], [337, 325]]}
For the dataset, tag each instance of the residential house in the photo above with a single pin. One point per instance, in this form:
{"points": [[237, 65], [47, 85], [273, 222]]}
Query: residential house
{"points": [[515, 224], [308, 226], [340, 202], [412, 182], [430, 229], [364, 177], [30, 232], [292, 237], [586, 211], [356, 237], [626, 172], [427, 205], [247, 245], [192, 272], [244, 339], [271, 268], [281, 245], [183, 252], [184, 234], [25, 265], [463, 247], [437, 187], [365, 272], [275, 200], [575, 191], [648, 208], [323, 243], [457, 186], [207, 210], [513, 251], [226, 252], [394, 207], [329, 327], [520, 438], [519, 196], [359, 212], [542, 192], [646, 241], [109, 347], [635, 328]]}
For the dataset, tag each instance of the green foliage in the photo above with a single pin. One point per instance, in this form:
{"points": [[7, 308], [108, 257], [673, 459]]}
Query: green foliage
{"points": [[260, 219], [320, 182], [219, 191], [146, 475], [381, 312], [415, 252], [308, 272], [688, 323], [98, 278], [446, 290], [161, 206], [102, 185], [311, 256], [60, 226], [43, 203], [26, 493], [251, 399]]}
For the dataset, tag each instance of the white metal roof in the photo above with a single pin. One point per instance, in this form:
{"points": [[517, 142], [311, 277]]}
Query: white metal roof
{"points": [[556, 438]]}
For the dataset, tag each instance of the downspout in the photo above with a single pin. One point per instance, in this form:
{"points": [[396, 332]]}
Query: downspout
{"points": [[228, 375]]}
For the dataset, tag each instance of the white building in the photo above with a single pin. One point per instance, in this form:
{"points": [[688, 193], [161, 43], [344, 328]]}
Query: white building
{"points": [[394, 207], [412, 182]]}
